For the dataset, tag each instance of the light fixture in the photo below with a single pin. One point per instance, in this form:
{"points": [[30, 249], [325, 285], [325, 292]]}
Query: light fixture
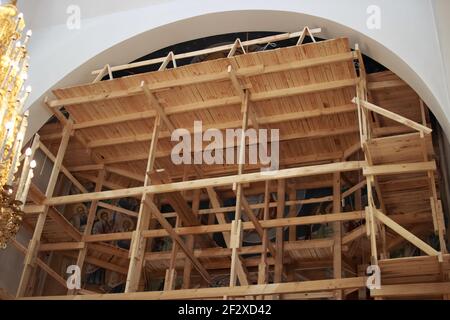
{"points": [[13, 121]]}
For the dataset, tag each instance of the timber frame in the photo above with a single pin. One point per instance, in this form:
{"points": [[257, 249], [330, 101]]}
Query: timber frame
{"points": [[364, 137]]}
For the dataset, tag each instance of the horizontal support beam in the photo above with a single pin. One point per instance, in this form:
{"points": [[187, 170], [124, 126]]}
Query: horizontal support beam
{"points": [[138, 90], [399, 168], [248, 225], [381, 85], [412, 290], [300, 115], [210, 182], [62, 246], [241, 291]]}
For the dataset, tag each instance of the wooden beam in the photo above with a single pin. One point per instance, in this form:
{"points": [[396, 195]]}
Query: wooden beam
{"points": [[412, 290], [89, 223], [388, 169], [63, 169], [279, 233], [215, 103], [241, 291], [153, 101], [236, 225], [241, 272], [393, 116], [313, 134], [62, 223], [118, 209], [337, 232], [138, 243], [227, 47], [203, 183], [176, 238], [405, 233], [47, 268], [311, 88], [33, 245], [274, 223], [62, 246]]}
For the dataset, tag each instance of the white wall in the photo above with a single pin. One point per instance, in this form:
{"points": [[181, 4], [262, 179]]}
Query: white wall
{"points": [[11, 263], [116, 31]]}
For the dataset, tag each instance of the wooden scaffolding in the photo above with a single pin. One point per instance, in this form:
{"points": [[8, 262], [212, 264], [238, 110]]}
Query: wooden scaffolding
{"points": [[364, 137]]}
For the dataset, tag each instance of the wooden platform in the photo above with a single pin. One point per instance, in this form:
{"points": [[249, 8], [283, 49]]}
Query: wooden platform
{"points": [[116, 127]]}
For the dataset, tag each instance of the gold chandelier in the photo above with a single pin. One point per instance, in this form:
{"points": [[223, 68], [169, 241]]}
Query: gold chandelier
{"points": [[13, 121]]}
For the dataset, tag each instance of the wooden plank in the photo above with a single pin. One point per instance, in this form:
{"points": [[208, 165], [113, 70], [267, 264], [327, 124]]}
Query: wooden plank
{"points": [[138, 243], [274, 223], [279, 234], [175, 237], [405, 233], [89, 223], [388, 169], [210, 182], [337, 232], [63, 169], [33, 246], [209, 293], [393, 116], [412, 290], [311, 88], [62, 246]]}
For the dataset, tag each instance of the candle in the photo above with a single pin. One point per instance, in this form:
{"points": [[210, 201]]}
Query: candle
{"points": [[8, 72], [25, 98], [18, 21], [4, 108], [17, 146], [24, 174], [23, 197], [28, 36], [9, 126]]}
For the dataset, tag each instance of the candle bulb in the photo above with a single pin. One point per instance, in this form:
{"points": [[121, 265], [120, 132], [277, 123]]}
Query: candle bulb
{"points": [[27, 38], [16, 147], [4, 109], [9, 126], [18, 21], [24, 174], [23, 197], [8, 72], [25, 98]]}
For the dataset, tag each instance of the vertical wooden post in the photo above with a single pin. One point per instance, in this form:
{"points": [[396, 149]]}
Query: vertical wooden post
{"points": [[33, 246], [263, 271], [171, 273], [337, 231], [236, 230], [190, 243], [279, 241], [90, 223], [370, 222], [138, 243], [292, 213], [362, 292]]}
